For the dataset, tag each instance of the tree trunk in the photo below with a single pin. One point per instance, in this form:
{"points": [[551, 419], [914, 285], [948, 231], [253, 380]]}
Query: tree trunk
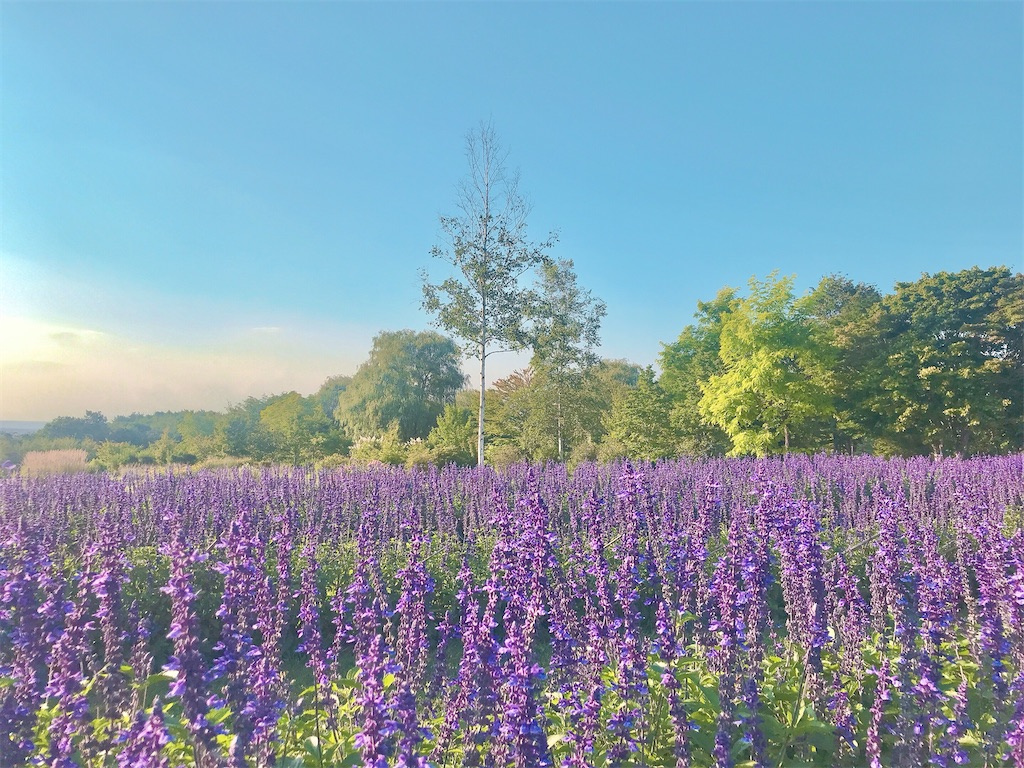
{"points": [[480, 420], [558, 400]]}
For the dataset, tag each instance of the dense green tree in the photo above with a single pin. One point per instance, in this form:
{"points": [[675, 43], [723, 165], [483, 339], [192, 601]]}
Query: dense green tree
{"points": [[386, 447], [522, 410], [540, 418], [954, 364], [93, 426], [603, 383], [686, 365], [485, 302], [300, 430], [239, 433], [508, 409], [10, 447], [132, 429], [111, 456], [330, 392], [772, 394], [638, 425], [847, 318], [283, 419], [198, 430], [409, 378], [609, 379]]}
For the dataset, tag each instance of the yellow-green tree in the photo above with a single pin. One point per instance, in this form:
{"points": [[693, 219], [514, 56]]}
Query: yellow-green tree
{"points": [[772, 394], [689, 362]]}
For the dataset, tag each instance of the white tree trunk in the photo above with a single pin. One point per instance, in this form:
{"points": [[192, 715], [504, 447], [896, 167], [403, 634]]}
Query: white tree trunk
{"points": [[561, 456], [480, 420]]}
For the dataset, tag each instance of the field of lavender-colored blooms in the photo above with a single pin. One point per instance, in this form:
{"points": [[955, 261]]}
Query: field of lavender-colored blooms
{"points": [[819, 611]]}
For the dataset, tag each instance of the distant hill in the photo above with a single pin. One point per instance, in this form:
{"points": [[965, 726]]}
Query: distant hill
{"points": [[20, 427]]}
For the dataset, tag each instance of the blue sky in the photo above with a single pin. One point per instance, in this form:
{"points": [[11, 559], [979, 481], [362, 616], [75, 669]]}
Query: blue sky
{"points": [[204, 201]]}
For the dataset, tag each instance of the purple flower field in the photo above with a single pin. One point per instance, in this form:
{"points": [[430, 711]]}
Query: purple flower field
{"points": [[821, 611]]}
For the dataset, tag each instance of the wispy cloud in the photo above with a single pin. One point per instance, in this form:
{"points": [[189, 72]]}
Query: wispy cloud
{"points": [[69, 344], [52, 371]]}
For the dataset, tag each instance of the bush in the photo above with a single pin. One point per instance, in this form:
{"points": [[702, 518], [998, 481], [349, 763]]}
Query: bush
{"points": [[585, 452], [419, 454], [386, 449], [112, 456], [504, 455], [453, 438]]}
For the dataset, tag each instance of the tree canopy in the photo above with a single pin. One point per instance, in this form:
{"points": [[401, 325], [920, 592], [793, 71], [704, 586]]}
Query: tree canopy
{"points": [[409, 378], [772, 382]]}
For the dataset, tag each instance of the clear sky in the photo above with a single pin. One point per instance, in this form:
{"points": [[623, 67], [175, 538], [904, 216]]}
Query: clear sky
{"points": [[204, 201]]}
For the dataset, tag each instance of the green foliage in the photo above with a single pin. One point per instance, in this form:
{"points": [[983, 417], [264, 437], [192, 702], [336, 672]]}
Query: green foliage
{"points": [[329, 393], [639, 422], [93, 426], [688, 363], [408, 379], [527, 413], [386, 448], [953, 363], [453, 438], [240, 432], [609, 379], [299, 429], [508, 408], [198, 431], [844, 317], [566, 324], [773, 385], [935, 367], [484, 302], [111, 456]]}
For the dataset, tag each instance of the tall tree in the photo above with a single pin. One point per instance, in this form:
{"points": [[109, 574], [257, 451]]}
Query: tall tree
{"points": [[610, 379], [566, 328], [409, 378], [299, 428], [484, 303], [774, 378], [848, 319], [330, 391], [954, 368], [452, 438], [508, 408], [639, 422], [687, 364], [240, 432]]}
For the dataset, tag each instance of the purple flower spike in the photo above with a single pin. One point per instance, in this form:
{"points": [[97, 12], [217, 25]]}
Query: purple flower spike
{"points": [[144, 741]]}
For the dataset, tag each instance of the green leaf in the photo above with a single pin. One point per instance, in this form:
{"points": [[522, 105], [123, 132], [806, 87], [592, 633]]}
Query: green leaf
{"points": [[312, 746], [164, 676]]}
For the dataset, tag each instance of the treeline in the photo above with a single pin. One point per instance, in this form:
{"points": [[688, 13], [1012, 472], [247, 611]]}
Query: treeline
{"points": [[935, 367]]}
